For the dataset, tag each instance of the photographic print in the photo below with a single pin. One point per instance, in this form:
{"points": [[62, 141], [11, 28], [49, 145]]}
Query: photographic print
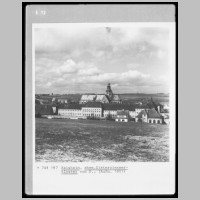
{"points": [[102, 92], [101, 89]]}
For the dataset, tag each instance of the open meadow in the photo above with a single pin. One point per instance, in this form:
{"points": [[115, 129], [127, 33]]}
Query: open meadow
{"points": [[66, 140]]}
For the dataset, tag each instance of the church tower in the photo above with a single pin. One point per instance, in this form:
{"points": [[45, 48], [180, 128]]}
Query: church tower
{"points": [[109, 91]]}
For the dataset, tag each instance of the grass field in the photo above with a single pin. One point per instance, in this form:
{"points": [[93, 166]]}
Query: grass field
{"points": [[65, 140]]}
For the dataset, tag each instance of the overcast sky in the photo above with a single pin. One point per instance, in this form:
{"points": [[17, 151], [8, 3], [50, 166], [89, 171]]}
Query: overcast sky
{"points": [[85, 59]]}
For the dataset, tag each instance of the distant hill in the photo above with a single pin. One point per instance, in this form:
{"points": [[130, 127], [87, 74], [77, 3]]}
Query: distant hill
{"points": [[131, 97], [126, 97], [145, 94]]}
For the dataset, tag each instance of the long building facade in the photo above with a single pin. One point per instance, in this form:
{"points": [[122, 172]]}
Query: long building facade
{"points": [[138, 113]]}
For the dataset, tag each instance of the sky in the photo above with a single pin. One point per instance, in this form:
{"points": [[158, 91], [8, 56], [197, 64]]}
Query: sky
{"points": [[84, 59]]}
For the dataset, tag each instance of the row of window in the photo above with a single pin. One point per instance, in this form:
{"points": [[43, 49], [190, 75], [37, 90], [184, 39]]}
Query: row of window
{"points": [[95, 115], [67, 110], [154, 121], [71, 113], [108, 112], [91, 109], [113, 115]]}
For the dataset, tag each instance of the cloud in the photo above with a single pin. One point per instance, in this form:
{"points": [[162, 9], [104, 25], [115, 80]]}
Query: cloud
{"points": [[68, 67], [127, 57], [125, 78], [88, 72], [97, 39]]}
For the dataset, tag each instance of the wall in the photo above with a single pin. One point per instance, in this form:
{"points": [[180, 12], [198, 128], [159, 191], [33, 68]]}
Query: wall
{"points": [[96, 112], [70, 112], [150, 120], [113, 113]]}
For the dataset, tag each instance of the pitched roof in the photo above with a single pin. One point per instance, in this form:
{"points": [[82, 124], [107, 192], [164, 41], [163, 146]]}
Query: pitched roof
{"points": [[114, 106], [88, 97], [101, 97], [152, 113], [122, 113], [93, 105], [143, 112], [116, 97], [143, 106], [73, 106]]}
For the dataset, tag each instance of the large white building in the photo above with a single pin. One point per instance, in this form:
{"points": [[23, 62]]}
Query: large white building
{"points": [[70, 111], [92, 109]]}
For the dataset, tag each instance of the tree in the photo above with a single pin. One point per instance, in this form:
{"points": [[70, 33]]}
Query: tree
{"points": [[109, 116]]}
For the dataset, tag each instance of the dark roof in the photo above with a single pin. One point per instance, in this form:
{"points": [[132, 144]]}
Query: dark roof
{"points": [[153, 104], [152, 113], [62, 98], [44, 109], [143, 106], [123, 112], [93, 105], [73, 106], [115, 106]]}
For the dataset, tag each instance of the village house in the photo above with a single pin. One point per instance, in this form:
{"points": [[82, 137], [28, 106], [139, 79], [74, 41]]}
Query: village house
{"points": [[111, 109], [149, 116], [165, 115], [142, 116], [122, 116], [140, 108], [154, 117]]}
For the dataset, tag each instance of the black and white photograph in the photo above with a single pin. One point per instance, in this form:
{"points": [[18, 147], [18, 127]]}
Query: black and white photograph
{"points": [[102, 93], [101, 100]]}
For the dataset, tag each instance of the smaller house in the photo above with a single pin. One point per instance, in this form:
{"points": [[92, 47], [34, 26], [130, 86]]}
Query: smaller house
{"points": [[142, 116], [140, 108], [122, 116], [154, 117], [149, 116]]}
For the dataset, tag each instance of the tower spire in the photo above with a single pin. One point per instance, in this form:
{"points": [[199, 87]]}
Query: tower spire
{"points": [[109, 91]]}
